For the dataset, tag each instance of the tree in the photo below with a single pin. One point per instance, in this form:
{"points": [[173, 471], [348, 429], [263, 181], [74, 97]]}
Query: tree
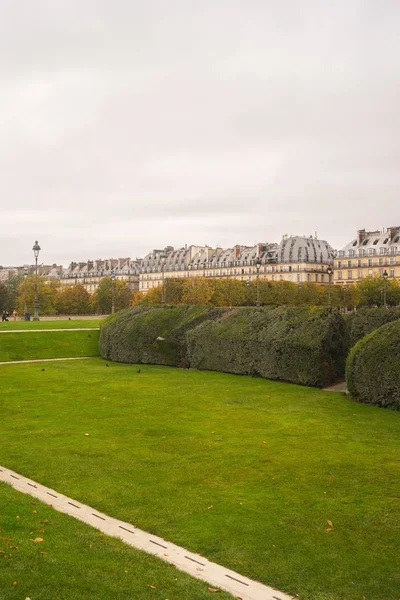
{"points": [[73, 300], [198, 290], [229, 292], [47, 294], [102, 298]]}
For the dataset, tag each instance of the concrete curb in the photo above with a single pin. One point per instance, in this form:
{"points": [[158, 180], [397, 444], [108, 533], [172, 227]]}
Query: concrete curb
{"points": [[193, 564], [48, 330], [38, 360]]}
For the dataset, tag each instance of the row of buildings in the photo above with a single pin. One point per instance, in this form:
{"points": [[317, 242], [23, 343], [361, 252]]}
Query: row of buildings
{"points": [[296, 258]]}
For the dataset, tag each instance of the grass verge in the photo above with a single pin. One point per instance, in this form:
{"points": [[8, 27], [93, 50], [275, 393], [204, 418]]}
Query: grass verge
{"points": [[290, 485], [75, 562], [46, 344], [49, 324]]}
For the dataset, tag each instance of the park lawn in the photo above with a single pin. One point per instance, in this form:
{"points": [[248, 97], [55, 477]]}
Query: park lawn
{"points": [[30, 325], [48, 344], [289, 485], [77, 562]]}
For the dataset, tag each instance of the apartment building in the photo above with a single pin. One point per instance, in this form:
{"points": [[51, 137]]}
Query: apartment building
{"points": [[370, 254]]}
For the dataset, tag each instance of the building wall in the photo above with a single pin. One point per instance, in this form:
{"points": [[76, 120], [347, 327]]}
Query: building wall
{"points": [[370, 254]]}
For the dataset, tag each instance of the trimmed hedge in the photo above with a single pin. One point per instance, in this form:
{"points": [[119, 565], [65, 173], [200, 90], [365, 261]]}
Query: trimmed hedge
{"points": [[373, 367], [299, 344], [152, 335], [365, 320]]}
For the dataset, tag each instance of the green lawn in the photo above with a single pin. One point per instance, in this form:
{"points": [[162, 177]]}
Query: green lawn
{"points": [[49, 324], [76, 562], [247, 472], [48, 344]]}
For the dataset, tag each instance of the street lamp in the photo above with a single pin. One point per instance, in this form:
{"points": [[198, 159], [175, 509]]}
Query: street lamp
{"points": [[163, 258], [112, 292], [344, 298], [258, 265], [36, 249], [329, 271], [25, 305], [385, 276]]}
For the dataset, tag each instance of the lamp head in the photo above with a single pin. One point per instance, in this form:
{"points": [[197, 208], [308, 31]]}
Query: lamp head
{"points": [[385, 274], [36, 249]]}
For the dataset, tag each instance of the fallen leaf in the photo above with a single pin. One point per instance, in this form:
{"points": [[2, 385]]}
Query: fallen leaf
{"points": [[38, 540], [45, 521], [330, 523], [86, 434], [15, 582], [211, 506], [210, 589], [153, 587]]}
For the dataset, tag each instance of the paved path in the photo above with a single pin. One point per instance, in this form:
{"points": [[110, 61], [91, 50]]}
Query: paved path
{"points": [[46, 330], [338, 387], [36, 360], [194, 564]]}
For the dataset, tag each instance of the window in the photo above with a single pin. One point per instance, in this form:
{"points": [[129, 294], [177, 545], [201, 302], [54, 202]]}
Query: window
{"points": [[391, 272], [339, 264], [349, 274], [349, 263], [359, 263], [360, 274], [340, 275], [308, 277]]}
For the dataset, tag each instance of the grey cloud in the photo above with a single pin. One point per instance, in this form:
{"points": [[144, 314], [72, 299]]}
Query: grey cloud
{"points": [[131, 125]]}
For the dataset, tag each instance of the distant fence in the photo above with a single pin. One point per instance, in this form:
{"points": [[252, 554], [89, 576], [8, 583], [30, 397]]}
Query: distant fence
{"points": [[62, 317]]}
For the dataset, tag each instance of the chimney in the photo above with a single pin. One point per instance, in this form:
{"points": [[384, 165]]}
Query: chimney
{"points": [[361, 235], [392, 231]]}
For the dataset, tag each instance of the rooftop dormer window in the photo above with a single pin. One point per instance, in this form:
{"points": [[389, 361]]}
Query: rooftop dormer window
{"points": [[376, 241]]}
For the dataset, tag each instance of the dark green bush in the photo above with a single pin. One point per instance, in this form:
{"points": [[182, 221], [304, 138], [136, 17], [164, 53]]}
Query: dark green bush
{"points": [[365, 320], [373, 367], [301, 345], [153, 335]]}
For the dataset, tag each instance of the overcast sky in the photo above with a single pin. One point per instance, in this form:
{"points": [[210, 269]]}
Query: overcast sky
{"points": [[128, 125]]}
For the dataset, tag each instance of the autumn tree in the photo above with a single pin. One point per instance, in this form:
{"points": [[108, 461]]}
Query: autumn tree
{"points": [[102, 297], [229, 292], [47, 295], [73, 300], [198, 290]]}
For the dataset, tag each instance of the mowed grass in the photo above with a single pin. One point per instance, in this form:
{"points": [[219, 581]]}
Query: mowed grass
{"points": [[76, 562], [30, 325], [290, 485], [48, 344]]}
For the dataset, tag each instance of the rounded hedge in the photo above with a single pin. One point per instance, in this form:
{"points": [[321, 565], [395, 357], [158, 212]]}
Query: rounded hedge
{"points": [[152, 335], [373, 367], [365, 320], [298, 344]]}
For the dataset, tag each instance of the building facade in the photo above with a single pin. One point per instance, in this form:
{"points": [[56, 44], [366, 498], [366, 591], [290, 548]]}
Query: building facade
{"points": [[297, 259], [90, 273], [370, 254]]}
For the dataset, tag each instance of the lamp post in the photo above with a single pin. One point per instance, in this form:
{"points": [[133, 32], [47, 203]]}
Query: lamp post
{"points": [[36, 249], [163, 257], [258, 265], [385, 276], [112, 292], [344, 298], [329, 271], [25, 305]]}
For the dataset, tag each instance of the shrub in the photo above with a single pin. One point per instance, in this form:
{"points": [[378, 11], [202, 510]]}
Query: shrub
{"points": [[301, 345], [373, 367], [366, 320], [153, 335]]}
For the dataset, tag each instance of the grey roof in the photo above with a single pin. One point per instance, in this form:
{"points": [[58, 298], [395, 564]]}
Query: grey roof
{"points": [[304, 249]]}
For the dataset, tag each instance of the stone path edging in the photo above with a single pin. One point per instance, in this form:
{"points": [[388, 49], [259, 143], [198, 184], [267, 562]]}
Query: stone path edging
{"points": [[193, 564], [37, 360], [47, 330]]}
